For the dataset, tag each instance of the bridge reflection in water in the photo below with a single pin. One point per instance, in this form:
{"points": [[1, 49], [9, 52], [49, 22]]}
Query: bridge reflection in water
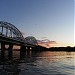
{"points": [[40, 63]]}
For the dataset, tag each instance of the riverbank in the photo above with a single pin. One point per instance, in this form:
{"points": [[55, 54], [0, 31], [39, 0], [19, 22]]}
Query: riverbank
{"points": [[40, 48]]}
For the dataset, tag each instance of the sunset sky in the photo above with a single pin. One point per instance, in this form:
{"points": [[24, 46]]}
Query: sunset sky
{"points": [[47, 20]]}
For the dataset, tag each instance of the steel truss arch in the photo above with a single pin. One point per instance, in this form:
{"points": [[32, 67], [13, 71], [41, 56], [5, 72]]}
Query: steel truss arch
{"points": [[14, 32], [31, 40]]}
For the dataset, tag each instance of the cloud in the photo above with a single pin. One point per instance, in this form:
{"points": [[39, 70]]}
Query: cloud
{"points": [[44, 37], [46, 42]]}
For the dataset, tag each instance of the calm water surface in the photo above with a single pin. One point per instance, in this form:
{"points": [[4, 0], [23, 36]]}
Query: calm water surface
{"points": [[40, 63]]}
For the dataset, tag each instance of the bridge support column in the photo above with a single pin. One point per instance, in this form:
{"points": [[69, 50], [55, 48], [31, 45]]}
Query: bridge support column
{"points": [[33, 48], [2, 50], [28, 47], [22, 52], [10, 51]]}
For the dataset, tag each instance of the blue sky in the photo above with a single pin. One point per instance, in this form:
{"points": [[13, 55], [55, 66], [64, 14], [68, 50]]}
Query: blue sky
{"points": [[74, 23], [53, 19]]}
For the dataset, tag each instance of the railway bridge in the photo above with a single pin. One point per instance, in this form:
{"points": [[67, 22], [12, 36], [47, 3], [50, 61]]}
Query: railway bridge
{"points": [[10, 35]]}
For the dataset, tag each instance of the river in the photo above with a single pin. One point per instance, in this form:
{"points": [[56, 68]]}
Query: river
{"points": [[40, 63]]}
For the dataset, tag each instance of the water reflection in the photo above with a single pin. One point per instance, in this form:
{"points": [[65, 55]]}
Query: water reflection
{"points": [[41, 63], [56, 63]]}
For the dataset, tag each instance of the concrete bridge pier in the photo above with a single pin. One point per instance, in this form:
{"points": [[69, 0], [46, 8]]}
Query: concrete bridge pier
{"points": [[22, 52], [27, 48], [34, 48], [28, 53], [2, 50], [10, 51]]}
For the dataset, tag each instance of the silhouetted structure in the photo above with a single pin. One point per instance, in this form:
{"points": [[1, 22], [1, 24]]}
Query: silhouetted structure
{"points": [[10, 35], [31, 40]]}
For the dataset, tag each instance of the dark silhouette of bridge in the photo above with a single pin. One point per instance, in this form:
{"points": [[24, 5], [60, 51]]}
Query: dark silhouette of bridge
{"points": [[10, 35]]}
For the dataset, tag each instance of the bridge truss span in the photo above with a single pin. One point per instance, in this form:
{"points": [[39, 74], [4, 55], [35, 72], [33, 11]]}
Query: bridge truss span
{"points": [[10, 31]]}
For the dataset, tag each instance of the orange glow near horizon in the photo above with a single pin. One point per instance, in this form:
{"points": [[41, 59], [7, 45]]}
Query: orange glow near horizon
{"points": [[63, 44], [58, 44]]}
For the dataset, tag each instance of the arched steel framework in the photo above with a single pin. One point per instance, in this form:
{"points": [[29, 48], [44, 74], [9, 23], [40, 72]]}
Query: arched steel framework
{"points": [[31, 40], [9, 30]]}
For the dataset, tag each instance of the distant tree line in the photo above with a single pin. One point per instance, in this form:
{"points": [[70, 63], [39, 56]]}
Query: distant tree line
{"points": [[40, 48]]}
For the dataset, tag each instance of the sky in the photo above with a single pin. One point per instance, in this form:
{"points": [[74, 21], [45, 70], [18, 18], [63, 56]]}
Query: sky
{"points": [[48, 20]]}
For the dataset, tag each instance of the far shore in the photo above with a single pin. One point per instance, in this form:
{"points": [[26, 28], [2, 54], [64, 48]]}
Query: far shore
{"points": [[40, 48]]}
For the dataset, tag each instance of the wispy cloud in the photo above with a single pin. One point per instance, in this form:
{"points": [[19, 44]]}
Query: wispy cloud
{"points": [[46, 42]]}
